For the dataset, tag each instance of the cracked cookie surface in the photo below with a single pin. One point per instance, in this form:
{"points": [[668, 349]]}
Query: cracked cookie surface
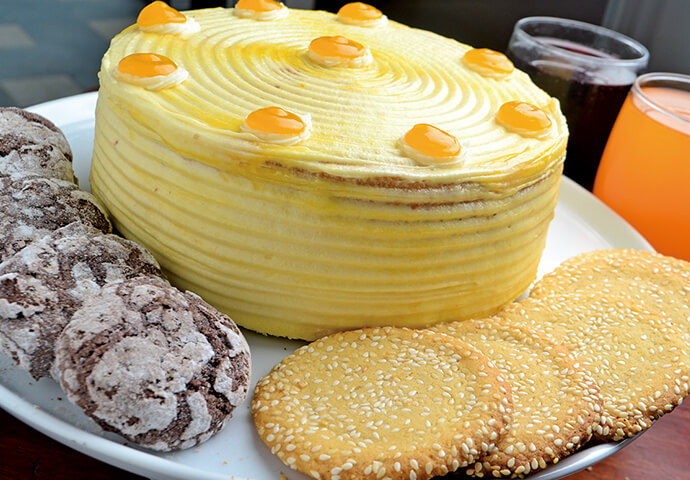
{"points": [[30, 143], [43, 284], [31, 207], [158, 366]]}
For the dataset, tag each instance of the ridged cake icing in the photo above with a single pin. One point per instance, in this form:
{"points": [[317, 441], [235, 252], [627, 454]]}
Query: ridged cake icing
{"points": [[353, 223]]}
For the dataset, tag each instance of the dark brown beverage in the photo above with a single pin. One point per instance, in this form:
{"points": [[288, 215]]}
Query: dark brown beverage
{"points": [[589, 69], [589, 100]]}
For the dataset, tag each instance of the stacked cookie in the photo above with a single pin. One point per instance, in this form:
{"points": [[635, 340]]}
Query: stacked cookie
{"points": [[91, 309], [599, 349]]}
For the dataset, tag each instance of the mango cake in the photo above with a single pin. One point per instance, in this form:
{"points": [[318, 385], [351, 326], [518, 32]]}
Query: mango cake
{"points": [[306, 172]]}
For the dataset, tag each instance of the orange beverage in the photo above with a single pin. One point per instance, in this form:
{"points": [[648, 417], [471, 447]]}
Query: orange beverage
{"points": [[644, 173]]}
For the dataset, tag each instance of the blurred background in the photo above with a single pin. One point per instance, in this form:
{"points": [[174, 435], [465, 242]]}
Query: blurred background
{"points": [[52, 48]]}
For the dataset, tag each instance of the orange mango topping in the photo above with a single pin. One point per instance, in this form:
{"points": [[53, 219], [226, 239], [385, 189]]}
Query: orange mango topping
{"points": [[523, 117], [258, 5], [157, 13], [146, 65], [487, 59], [337, 46], [432, 141], [359, 11], [275, 120]]}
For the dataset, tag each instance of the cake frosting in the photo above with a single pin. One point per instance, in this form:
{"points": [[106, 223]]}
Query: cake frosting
{"points": [[362, 14], [344, 228]]}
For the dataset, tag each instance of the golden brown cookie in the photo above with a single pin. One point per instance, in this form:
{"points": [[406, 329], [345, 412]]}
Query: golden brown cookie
{"points": [[645, 278], [638, 358], [555, 402], [382, 403]]}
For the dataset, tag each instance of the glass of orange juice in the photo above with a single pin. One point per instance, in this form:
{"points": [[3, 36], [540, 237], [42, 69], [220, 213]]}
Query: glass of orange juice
{"points": [[644, 173]]}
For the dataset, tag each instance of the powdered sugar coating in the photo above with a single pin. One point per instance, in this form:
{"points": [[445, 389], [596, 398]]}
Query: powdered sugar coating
{"points": [[30, 143], [158, 366], [43, 284], [31, 207]]}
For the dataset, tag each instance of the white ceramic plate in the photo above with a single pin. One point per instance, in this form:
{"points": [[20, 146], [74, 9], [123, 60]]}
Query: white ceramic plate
{"points": [[582, 223]]}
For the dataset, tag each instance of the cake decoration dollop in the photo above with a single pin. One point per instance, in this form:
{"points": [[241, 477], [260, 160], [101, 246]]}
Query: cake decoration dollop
{"points": [[488, 63], [429, 145], [338, 51], [524, 118], [151, 71], [159, 17], [361, 14], [260, 9], [278, 126]]}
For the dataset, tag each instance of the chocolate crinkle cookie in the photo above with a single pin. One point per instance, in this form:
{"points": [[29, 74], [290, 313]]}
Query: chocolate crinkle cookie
{"points": [[30, 143], [31, 207], [43, 284], [158, 366]]}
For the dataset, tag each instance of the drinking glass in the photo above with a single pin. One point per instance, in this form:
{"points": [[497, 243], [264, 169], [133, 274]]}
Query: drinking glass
{"points": [[589, 69], [644, 173]]}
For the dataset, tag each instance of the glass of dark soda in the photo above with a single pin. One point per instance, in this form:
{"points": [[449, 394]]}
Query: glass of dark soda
{"points": [[590, 70]]}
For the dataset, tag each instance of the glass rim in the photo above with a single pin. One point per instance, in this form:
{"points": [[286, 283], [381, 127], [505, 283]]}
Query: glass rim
{"points": [[675, 78], [584, 26]]}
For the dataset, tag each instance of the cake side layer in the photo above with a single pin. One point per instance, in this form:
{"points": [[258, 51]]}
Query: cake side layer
{"points": [[304, 263]]}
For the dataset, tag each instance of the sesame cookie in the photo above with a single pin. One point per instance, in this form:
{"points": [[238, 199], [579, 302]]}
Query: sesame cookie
{"points": [[648, 279], [638, 359], [158, 366], [43, 284], [381, 403], [32, 144], [31, 207], [555, 402]]}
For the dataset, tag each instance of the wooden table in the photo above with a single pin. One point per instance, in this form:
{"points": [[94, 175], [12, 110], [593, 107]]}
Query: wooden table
{"points": [[662, 453]]}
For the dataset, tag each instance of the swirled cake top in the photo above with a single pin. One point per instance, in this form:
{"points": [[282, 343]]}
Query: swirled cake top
{"points": [[362, 92]]}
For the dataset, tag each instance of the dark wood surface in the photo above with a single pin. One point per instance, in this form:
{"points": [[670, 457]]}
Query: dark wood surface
{"points": [[662, 453]]}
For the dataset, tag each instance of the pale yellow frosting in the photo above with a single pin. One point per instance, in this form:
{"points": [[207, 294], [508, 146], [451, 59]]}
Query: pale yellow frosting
{"points": [[186, 28], [268, 15], [371, 23], [342, 229], [158, 82]]}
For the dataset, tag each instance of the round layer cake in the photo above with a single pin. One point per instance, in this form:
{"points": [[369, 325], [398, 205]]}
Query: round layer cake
{"points": [[400, 191]]}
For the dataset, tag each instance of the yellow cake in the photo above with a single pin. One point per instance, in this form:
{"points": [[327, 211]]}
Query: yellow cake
{"points": [[416, 185]]}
